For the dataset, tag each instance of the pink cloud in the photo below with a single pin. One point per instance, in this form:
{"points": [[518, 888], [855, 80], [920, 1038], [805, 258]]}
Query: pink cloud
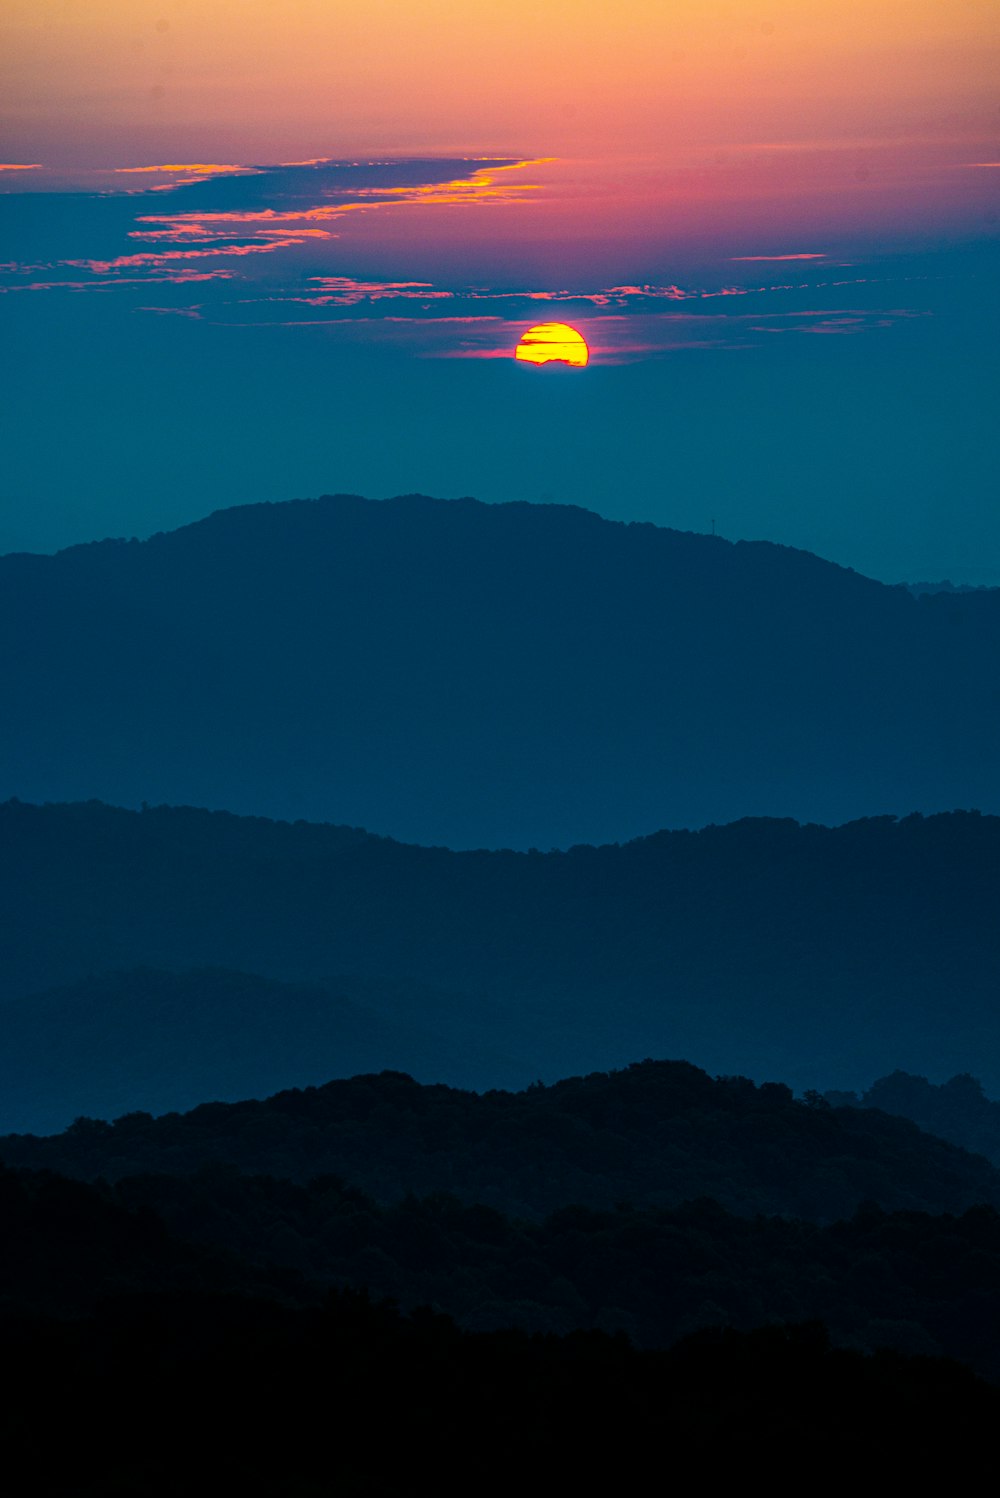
{"points": [[175, 278], [192, 312], [161, 257]]}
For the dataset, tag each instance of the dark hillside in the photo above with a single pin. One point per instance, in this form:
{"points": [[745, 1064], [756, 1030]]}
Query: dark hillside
{"points": [[498, 675], [656, 1134], [909, 1280], [918, 1283]]}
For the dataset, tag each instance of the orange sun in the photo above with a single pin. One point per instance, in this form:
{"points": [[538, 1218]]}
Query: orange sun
{"points": [[553, 342]]}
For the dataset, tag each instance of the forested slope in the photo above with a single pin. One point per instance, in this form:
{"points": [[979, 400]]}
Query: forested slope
{"points": [[656, 1134]]}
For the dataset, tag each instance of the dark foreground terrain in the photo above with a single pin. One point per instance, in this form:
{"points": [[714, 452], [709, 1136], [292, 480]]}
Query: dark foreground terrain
{"points": [[173, 1395], [134, 1361], [653, 1202]]}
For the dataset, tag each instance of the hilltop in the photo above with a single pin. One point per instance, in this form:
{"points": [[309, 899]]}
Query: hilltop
{"points": [[655, 1134]]}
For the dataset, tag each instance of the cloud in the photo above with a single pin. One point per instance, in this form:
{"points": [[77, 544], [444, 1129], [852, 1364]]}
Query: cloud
{"points": [[297, 196], [197, 168], [227, 212], [812, 255], [259, 243], [162, 258], [193, 312]]}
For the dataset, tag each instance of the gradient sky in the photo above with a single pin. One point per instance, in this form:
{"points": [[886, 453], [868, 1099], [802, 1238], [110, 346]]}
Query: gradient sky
{"points": [[256, 252]]}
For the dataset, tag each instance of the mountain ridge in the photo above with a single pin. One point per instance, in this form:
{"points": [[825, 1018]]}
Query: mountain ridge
{"points": [[655, 1133], [762, 947], [416, 500], [465, 674]]}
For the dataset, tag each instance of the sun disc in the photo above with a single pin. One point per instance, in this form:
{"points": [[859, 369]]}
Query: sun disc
{"points": [[553, 342]]}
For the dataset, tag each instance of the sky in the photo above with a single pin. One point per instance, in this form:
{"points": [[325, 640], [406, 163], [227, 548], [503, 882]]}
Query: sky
{"points": [[257, 252]]}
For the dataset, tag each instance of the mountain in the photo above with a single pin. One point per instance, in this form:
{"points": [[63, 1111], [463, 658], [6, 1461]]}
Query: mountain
{"points": [[500, 675], [765, 948], [655, 1134]]}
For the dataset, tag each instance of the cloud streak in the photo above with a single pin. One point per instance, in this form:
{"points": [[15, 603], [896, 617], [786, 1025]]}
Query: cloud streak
{"points": [[260, 244], [226, 212], [812, 255]]}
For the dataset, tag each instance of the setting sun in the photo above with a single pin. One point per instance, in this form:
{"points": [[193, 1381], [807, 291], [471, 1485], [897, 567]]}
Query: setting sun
{"points": [[553, 342]]}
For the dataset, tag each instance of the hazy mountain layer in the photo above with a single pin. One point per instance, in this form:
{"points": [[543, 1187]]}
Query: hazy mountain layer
{"points": [[161, 1040], [817, 955], [958, 1109], [515, 675]]}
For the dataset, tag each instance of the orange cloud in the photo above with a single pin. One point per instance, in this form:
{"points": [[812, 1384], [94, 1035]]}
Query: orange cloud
{"points": [[200, 169], [480, 186]]}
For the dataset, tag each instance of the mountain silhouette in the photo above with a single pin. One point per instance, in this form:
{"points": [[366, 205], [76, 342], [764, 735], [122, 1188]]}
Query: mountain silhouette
{"points": [[489, 675], [818, 955], [654, 1134]]}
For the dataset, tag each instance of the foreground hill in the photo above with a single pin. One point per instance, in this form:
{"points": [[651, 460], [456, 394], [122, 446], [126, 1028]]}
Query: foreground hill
{"points": [[915, 1282], [813, 954], [655, 1135], [511, 675], [909, 1280]]}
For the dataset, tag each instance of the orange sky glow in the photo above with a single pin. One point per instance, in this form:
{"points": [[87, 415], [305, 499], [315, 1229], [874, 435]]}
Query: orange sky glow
{"points": [[765, 130], [85, 80]]}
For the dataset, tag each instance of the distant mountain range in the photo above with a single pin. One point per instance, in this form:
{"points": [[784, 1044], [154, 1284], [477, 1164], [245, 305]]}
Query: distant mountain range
{"points": [[820, 956], [489, 675]]}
